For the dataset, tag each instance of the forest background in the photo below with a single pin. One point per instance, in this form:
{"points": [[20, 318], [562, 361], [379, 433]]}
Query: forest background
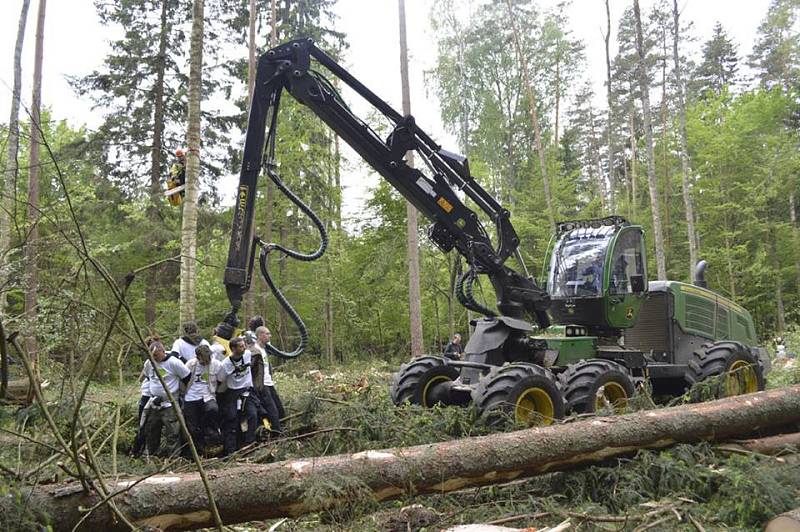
{"points": [[738, 178]]}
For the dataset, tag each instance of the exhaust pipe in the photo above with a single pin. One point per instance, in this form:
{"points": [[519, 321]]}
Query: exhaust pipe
{"points": [[700, 274]]}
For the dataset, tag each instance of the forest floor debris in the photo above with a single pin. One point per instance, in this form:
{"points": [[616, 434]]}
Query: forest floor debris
{"points": [[688, 487]]}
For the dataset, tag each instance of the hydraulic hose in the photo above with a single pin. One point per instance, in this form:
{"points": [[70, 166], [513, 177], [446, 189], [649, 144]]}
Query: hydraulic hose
{"points": [[466, 298], [266, 248]]}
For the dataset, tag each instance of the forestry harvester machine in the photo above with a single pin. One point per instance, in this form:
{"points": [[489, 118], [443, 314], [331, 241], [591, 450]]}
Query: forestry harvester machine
{"points": [[597, 328]]}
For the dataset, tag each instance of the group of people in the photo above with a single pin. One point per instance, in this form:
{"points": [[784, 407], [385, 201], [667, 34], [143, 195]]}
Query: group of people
{"points": [[224, 391]]}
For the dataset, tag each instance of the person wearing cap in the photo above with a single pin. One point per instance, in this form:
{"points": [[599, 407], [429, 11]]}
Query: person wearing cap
{"points": [[238, 409], [185, 346], [200, 402], [161, 412]]}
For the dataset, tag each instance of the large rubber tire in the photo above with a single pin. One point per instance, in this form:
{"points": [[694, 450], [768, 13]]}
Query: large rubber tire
{"points": [[414, 381], [581, 382], [733, 361], [525, 394]]}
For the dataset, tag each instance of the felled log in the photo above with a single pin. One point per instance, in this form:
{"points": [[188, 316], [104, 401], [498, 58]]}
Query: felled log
{"points": [[768, 445], [788, 522], [295, 487]]}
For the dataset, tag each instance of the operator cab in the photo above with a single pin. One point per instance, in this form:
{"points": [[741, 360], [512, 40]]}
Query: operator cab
{"points": [[598, 274]]}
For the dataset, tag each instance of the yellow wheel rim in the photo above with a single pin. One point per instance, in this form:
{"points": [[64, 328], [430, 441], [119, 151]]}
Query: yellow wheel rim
{"points": [[534, 405], [435, 380], [741, 379], [613, 393]]}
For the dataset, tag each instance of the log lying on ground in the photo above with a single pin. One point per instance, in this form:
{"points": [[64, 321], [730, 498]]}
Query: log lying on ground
{"points": [[296, 487], [788, 522], [769, 445]]}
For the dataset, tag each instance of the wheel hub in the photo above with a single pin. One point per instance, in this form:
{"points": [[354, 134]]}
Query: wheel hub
{"points": [[429, 395], [534, 406], [613, 394], [741, 379]]}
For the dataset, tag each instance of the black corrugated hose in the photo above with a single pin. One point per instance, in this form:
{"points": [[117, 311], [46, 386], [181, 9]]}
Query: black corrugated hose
{"points": [[266, 248]]}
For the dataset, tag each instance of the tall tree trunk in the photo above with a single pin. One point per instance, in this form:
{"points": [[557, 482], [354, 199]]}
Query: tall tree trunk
{"points": [[601, 185], [634, 155], [729, 252], [664, 163], [31, 247], [178, 501], [779, 305], [268, 218], [558, 93], [154, 278], [189, 227], [609, 100], [685, 167], [414, 305], [8, 180], [644, 86], [795, 235], [537, 132]]}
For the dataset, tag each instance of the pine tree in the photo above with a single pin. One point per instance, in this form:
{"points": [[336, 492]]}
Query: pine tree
{"points": [[8, 179], [412, 242], [685, 163], [776, 54], [720, 63], [537, 130], [32, 243], [655, 205]]}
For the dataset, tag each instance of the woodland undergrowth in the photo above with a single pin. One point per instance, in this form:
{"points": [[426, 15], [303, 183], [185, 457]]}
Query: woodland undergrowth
{"points": [[347, 409]]}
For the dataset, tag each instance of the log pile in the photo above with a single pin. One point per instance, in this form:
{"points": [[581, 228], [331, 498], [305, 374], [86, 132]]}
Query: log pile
{"points": [[292, 488]]}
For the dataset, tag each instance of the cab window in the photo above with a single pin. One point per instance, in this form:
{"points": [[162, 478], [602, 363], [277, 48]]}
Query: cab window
{"points": [[627, 261]]}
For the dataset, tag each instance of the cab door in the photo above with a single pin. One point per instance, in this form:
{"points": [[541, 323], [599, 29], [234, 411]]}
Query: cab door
{"points": [[625, 279]]}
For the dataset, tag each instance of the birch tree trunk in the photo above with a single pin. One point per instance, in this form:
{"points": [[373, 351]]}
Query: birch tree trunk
{"points": [[609, 100], [31, 247], [154, 279], [537, 132], [685, 164], [644, 86], [414, 305], [189, 227], [8, 180]]}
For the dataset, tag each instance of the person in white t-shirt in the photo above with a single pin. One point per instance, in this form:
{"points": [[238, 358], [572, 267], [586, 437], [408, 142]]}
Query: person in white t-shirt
{"points": [[184, 346], [161, 413], [238, 409], [138, 445], [200, 402], [268, 394], [264, 337]]}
